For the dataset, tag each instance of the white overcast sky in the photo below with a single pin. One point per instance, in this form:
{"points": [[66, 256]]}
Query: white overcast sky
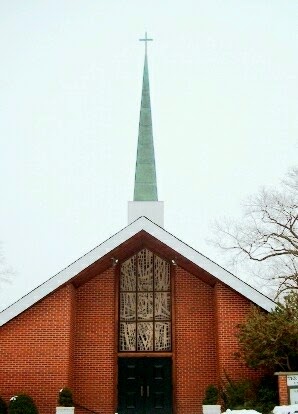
{"points": [[223, 78]]}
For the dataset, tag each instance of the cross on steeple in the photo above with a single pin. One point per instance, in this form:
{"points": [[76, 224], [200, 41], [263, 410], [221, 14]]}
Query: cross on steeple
{"points": [[146, 39], [145, 198]]}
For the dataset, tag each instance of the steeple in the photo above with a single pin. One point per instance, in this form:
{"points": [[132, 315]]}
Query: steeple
{"points": [[145, 175], [145, 187]]}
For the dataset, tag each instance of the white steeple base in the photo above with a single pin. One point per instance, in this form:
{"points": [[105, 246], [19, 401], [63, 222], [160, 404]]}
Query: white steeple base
{"points": [[153, 210]]}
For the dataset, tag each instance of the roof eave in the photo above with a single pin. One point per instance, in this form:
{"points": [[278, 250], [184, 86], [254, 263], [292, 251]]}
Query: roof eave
{"points": [[141, 224]]}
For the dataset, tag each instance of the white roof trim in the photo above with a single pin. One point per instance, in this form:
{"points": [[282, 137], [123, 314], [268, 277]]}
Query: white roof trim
{"points": [[159, 233]]}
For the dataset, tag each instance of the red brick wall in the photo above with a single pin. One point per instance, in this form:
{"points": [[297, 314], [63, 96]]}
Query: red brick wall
{"points": [[94, 356], [195, 341], [69, 339], [206, 323], [283, 390], [231, 309], [35, 350]]}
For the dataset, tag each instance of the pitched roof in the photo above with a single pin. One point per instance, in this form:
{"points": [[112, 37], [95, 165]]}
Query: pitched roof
{"points": [[142, 224]]}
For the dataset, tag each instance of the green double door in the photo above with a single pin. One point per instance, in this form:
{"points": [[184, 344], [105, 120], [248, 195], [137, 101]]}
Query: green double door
{"points": [[145, 385]]}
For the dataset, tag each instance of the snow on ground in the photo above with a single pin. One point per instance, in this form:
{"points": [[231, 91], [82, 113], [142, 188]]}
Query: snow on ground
{"points": [[279, 409], [242, 412], [285, 409]]}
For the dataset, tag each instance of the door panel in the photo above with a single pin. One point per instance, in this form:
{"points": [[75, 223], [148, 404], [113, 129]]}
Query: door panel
{"points": [[129, 386], [145, 386], [159, 383]]}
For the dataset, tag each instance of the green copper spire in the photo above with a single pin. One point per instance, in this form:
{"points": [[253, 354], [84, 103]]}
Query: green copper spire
{"points": [[145, 176]]}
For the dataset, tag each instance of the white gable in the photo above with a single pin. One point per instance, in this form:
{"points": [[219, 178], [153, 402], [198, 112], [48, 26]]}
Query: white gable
{"points": [[160, 234]]}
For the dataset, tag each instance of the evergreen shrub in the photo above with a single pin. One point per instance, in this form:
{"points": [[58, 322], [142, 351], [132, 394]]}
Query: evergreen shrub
{"points": [[261, 396], [238, 395], [211, 395], [22, 404], [267, 394], [65, 398], [3, 406]]}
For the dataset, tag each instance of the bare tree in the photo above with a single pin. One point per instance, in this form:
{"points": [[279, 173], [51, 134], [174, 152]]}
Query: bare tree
{"points": [[267, 234]]}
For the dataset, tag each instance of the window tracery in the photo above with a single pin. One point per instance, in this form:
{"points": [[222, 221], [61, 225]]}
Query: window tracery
{"points": [[145, 304]]}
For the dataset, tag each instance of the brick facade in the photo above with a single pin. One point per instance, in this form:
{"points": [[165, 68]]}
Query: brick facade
{"points": [[195, 353], [70, 339], [94, 356], [231, 309], [283, 390], [36, 350]]}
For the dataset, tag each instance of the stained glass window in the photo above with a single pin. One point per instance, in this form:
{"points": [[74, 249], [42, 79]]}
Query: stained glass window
{"points": [[145, 304]]}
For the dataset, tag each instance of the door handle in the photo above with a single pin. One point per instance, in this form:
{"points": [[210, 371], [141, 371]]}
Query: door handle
{"points": [[148, 389], [142, 391]]}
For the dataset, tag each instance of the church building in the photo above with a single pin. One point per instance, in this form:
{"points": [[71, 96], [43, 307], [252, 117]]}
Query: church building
{"points": [[143, 323]]}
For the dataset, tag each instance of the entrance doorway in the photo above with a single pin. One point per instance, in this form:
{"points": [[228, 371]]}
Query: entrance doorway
{"points": [[144, 385]]}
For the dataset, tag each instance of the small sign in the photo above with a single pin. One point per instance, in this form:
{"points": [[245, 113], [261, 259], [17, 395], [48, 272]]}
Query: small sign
{"points": [[293, 396], [292, 380]]}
